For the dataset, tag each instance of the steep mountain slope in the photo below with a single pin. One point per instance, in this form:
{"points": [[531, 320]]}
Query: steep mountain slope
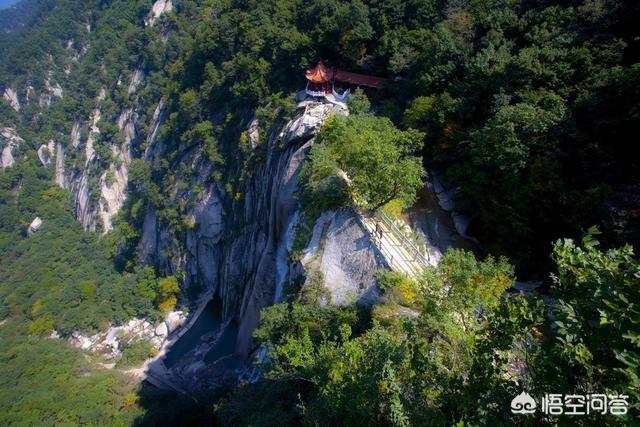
{"points": [[152, 156]]}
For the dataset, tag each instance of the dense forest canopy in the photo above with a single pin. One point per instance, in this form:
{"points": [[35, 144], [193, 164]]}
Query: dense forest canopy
{"points": [[528, 109]]}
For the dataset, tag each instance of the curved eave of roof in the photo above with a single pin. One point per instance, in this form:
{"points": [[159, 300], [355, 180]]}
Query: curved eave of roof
{"points": [[319, 74]]}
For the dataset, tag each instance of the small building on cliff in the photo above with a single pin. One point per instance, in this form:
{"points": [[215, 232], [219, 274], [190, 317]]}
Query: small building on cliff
{"points": [[326, 82]]}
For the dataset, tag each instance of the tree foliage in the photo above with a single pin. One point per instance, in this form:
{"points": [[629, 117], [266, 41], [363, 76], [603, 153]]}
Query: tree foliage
{"points": [[378, 159], [467, 341]]}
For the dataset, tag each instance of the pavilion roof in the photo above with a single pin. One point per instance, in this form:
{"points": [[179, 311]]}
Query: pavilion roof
{"points": [[319, 73], [359, 79]]}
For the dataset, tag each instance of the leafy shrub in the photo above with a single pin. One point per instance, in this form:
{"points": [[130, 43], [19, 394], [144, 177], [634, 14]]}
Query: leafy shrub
{"points": [[136, 352]]}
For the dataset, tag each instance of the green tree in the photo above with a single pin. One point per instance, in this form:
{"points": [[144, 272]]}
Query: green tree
{"points": [[598, 315], [377, 158], [358, 102], [189, 106], [167, 297]]}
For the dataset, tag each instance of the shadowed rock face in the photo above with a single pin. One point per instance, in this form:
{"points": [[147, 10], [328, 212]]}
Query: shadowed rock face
{"points": [[235, 247], [239, 249], [342, 250], [61, 177], [113, 182]]}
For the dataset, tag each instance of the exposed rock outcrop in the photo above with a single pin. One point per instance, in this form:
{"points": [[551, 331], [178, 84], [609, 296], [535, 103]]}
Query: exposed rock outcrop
{"points": [[51, 91], [12, 97], [136, 79], [446, 201], [160, 7], [311, 120], [9, 141], [75, 134], [34, 226], [239, 248], [153, 145], [113, 182], [342, 251], [161, 330], [84, 209], [94, 130], [263, 218], [174, 320], [100, 187], [110, 344], [55, 89], [61, 177], [254, 133], [46, 153]]}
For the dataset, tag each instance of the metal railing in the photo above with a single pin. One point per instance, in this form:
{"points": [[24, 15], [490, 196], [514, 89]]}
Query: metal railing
{"points": [[411, 260], [394, 262], [339, 97], [408, 244], [315, 93]]}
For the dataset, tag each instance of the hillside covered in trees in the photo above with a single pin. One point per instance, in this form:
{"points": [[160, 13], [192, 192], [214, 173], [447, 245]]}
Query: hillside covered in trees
{"points": [[121, 120]]}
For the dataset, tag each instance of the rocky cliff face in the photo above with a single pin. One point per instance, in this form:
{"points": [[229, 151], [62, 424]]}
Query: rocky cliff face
{"points": [[241, 250], [92, 167], [237, 248], [100, 189], [160, 7], [340, 248]]}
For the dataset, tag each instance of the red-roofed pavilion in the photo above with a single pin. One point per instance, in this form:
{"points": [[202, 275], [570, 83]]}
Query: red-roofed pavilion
{"points": [[320, 81]]}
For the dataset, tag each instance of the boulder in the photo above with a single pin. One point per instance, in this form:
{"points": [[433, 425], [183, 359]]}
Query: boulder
{"points": [[11, 97], [34, 226], [80, 341], [461, 222], [527, 286], [160, 7], [174, 320], [254, 133], [162, 330], [54, 89], [445, 198]]}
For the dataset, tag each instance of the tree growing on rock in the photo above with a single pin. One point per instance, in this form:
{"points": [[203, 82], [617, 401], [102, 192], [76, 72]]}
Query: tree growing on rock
{"points": [[378, 159]]}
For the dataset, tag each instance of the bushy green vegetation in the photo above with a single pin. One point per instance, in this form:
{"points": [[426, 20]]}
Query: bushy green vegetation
{"points": [[524, 107], [449, 348], [136, 352], [378, 159], [61, 277], [46, 382]]}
